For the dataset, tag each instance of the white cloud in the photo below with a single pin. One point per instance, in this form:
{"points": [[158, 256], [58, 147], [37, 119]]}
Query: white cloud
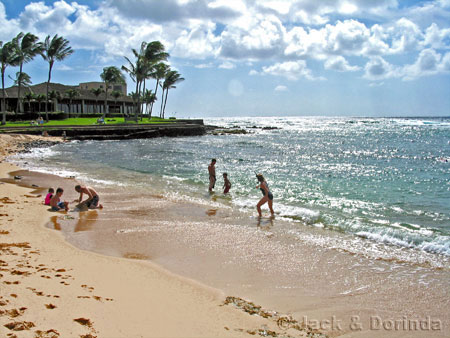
{"points": [[378, 69], [340, 64], [281, 88], [291, 70], [445, 64], [253, 37], [406, 36], [426, 64], [198, 42], [227, 65]]}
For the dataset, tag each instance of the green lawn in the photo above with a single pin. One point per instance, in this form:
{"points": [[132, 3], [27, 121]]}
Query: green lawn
{"points": [[86, 121]]}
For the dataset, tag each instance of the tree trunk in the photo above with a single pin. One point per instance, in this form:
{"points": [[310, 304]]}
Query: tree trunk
{"points": [[18, 89], [48, 84], [162, 101], [3, 98], [165, 102], [156, 92], [106, 101]]}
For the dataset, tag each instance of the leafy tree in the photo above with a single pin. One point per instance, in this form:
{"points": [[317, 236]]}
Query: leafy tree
{"points": [[71, 94], [172, 78], [22, 79], [149, 98], [148, 56], [8, 57], [116, 94], [54, 96], [97, 92], [56, 49], [111, 75], [29, 97], [40, 98], [26, 48], [159, 72]]}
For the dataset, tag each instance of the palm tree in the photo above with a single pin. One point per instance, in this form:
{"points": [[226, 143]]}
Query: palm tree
{"points": [[56, 49], [26, 48], [97, 92], [71, 94], [149, 98], [40, 98], [22, 79], [7, 58], [29, 97], [137, 74], [172, 77], [111, 75], [159, 72], [149, 54], [54, 96], [116, 94]]}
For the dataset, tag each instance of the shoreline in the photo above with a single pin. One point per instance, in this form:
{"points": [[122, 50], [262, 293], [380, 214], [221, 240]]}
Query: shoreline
{"points": [[316, 305], [44, 278]]}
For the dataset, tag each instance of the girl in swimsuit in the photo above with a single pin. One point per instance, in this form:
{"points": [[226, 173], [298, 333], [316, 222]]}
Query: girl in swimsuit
{"points": [[267, 195]]}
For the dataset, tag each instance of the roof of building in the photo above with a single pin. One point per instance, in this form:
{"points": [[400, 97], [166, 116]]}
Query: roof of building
{"points": [[41, 88]]}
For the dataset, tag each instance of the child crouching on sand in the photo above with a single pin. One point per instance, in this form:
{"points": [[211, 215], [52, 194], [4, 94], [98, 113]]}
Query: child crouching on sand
{"points": [[49, 196], [56, 202]]}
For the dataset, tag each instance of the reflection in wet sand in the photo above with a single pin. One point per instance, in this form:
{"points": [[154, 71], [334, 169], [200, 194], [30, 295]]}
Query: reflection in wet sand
{"points": [[86, 221], [211, 212], [56, 224]]}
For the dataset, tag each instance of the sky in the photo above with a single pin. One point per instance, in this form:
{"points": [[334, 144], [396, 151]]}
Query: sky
{"points": [[258, 58]]}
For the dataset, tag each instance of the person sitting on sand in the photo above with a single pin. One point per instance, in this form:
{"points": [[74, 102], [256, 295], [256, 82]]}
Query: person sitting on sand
{"points": [[226, 183], [49, 196], [92, 201], [212, 174], [56, 202], [267, 195]]}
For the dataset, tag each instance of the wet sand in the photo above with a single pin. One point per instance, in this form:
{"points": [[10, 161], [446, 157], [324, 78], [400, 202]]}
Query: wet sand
{"points": [[342, 293]]}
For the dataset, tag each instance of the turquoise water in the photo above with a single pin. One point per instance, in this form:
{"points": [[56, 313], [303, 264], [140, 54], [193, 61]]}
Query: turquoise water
{"points": [[382, 180]]}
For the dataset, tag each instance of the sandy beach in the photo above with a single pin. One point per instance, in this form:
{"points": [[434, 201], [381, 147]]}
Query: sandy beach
{"points": [[50, 288]]}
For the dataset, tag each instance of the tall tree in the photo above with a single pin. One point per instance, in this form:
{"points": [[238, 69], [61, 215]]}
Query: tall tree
{"points": [[97, 92], [116, 94], [29, 97], [149, 98], [149, 54], [71, 94], [111, 75], [26, 48], [172, 78], [54, 96], [159, 73], [8, 57], [56, 49], [39, 99]]}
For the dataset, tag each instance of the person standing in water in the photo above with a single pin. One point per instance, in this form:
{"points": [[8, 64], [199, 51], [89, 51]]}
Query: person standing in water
{"points": [[212, 174], [267, 195], [226, 183]]}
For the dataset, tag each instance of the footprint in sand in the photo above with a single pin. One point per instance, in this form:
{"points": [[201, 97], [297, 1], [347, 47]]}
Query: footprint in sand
{"points": [[46, 334], [19, 326], [83, 321]]}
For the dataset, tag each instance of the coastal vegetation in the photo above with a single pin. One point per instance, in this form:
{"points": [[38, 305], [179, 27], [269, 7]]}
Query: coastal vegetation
{"points": [[89, 121], [149, 62]]}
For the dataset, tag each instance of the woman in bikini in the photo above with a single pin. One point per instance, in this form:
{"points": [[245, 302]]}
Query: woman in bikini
{"points": [[267, 195]]}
